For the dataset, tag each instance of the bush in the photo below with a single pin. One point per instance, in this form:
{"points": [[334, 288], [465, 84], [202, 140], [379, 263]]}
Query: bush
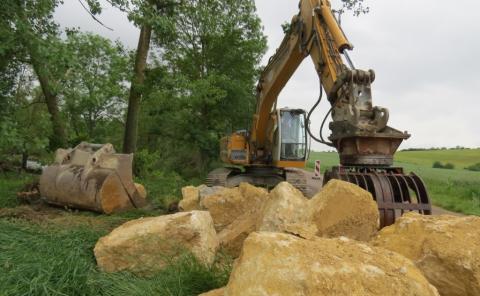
{"points": [[449, 166], [474, 168], [439, 165]]}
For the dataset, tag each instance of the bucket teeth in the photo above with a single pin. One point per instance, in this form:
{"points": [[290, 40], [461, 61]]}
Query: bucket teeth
{"points": [[394, 192]]}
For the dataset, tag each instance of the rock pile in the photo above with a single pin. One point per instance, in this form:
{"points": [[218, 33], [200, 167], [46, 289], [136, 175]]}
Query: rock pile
{"points": [[236, 212], [289, 245]]}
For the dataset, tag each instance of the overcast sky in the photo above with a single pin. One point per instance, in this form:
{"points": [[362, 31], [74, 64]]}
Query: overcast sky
{"points": [[425, 54]]}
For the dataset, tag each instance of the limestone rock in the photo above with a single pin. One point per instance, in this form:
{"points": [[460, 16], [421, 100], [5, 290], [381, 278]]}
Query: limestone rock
{"points": [[286, 206], [445, 248], [227, 205], [344, 209], [231, 238], [281, 264], [191, 199], [303, 230], [205, 191], [146, 245], [217, 292]]}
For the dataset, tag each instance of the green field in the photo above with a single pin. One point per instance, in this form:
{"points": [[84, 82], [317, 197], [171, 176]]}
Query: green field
{"points": [[456, 190]]}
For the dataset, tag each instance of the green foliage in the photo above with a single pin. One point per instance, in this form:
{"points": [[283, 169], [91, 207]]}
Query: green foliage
{"points": [[474, 168], [10, 184], [94, 88], [164, 187], [439, 165], [197, 93]]}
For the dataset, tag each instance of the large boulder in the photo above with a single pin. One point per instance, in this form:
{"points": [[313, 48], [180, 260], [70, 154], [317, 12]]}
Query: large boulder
{"points": [[192, 196], [282, 264], [191, 199], [285, 209], [229, 204], [445, 248], [146, 245], [231, 237], [344, 209]]}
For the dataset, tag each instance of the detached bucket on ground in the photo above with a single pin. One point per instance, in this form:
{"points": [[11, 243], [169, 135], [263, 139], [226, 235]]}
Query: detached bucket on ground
{"points": [[92, 177]]}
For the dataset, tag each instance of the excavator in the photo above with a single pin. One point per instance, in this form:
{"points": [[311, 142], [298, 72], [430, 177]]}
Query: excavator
{"points": [[276, 146]]}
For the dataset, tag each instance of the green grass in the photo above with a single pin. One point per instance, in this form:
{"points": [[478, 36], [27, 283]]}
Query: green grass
{"points": [[10, 184], [460, 158], [456, 190], [38, 260], [54, 255]]}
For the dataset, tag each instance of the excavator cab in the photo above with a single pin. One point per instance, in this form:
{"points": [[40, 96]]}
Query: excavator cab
{"points": [[290, 146]]}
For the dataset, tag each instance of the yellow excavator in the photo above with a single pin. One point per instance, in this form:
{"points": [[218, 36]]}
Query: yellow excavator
{"points": [[276, 147]]}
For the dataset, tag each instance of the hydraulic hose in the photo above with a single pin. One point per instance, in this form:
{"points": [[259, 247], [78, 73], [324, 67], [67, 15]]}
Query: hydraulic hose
{"points": [[321, 139]]}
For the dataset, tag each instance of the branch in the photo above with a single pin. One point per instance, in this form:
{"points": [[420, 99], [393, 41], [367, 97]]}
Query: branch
{"points": [[93, 16]]}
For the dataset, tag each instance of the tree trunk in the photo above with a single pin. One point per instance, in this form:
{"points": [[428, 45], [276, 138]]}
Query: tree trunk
{"points": [[131, 126], [58, 138]]}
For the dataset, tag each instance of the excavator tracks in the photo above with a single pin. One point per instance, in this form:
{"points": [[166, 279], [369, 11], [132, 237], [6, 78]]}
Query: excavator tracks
{"points": [[266, 177], [395, 192]]}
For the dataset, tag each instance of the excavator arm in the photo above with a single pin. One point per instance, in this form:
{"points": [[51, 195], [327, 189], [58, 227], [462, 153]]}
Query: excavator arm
{"points": [[315, 33]]}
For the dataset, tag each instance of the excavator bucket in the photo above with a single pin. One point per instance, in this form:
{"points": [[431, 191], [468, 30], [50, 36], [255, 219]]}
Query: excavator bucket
{"points": [[92, 177]]}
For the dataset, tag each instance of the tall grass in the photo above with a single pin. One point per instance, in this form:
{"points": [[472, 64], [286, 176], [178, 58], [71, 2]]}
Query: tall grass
{"points": [[36, 260], [10, 184]]}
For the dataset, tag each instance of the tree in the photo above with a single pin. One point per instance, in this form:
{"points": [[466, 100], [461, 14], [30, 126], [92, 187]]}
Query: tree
{"points": [[206, 92], [94, 89], [149, 15], [356, 6], [35, 35]]}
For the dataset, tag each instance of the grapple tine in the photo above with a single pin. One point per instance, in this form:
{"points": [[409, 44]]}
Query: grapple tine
{"points": [[390, 188]]}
